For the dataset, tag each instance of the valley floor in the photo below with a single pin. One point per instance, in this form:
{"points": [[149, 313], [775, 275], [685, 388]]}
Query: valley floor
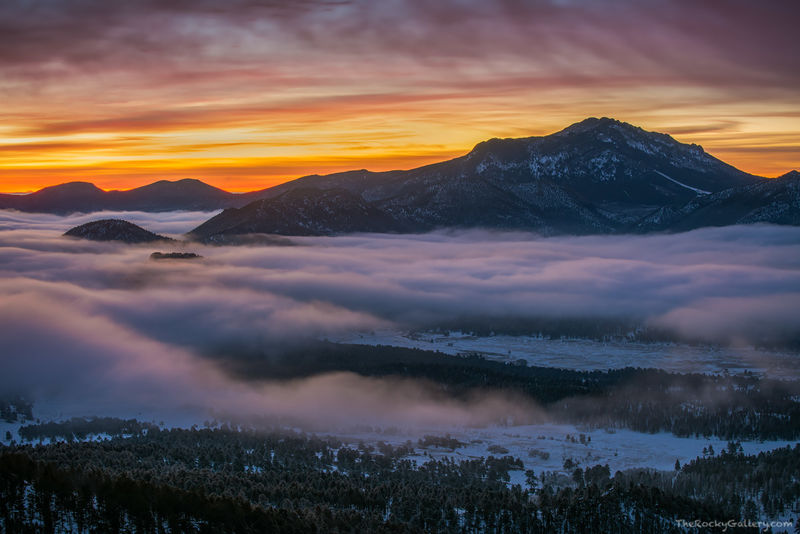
{"points": [[587, 355]]}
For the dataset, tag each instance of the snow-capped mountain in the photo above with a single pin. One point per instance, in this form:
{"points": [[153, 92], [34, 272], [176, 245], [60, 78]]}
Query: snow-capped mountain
{"points": [[596, 176]]}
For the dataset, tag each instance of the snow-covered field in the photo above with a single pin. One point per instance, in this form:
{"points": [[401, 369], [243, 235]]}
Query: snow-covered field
{"points": [[541, 447], [552, 444], [583, 354], [49, 411], [620, 449]]}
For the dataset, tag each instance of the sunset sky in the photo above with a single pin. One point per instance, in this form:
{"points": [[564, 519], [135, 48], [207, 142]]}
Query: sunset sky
{"points": [[245, 94]]}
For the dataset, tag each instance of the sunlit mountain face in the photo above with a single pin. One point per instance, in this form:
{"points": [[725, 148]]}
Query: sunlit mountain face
{"points": [[248, 94]]}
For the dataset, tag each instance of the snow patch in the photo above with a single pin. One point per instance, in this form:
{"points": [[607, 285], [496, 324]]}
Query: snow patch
{"points": [[698, 191], [619, 448]]}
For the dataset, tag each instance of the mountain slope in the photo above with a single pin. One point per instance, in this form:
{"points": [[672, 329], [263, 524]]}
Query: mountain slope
{"points": [[596, 176], [300, 212], [775, 201]]}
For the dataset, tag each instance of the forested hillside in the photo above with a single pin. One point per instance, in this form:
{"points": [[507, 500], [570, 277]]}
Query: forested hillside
{"points": [[228, 480]]}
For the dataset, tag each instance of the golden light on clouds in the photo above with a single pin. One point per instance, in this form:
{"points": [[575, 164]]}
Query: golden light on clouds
{"points": [[252, 93]]}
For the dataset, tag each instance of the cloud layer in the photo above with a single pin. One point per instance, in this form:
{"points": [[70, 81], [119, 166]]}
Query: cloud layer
{"points": [[92, 323]]}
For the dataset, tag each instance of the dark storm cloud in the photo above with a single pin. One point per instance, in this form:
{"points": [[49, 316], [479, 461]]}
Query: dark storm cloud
{"points": [[101, 321]]}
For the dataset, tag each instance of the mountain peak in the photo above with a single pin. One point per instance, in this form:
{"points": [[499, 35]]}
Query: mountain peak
{"points": [[609, 125], [71, 188], [185, 184], [593, 126], [791, 175], [593, 123]]}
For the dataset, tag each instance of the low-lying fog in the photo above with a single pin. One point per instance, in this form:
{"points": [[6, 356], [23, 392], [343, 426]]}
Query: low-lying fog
{"points": [[99, 326]]}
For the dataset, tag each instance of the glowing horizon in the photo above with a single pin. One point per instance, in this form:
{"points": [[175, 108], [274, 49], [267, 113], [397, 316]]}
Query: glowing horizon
{"points": [[253, 93]]}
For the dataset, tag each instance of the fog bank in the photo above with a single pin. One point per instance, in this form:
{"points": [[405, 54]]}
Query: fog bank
{"points": [[94, 323]]}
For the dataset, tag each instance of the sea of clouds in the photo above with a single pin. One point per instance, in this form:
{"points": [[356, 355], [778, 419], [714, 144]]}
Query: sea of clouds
{"points": [[100, 326]]}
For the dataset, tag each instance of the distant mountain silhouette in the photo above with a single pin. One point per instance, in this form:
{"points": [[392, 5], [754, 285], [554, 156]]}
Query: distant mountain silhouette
{"points": [[82, 197], [114, 230], [163, 195], [64, 198]]}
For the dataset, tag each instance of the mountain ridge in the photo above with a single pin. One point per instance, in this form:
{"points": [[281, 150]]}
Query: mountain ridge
{"points": [[218, 198], [162, 195], [599, 175]]}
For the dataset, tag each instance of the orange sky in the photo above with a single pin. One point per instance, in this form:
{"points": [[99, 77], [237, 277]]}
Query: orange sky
{"points": [[250, 93]]}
